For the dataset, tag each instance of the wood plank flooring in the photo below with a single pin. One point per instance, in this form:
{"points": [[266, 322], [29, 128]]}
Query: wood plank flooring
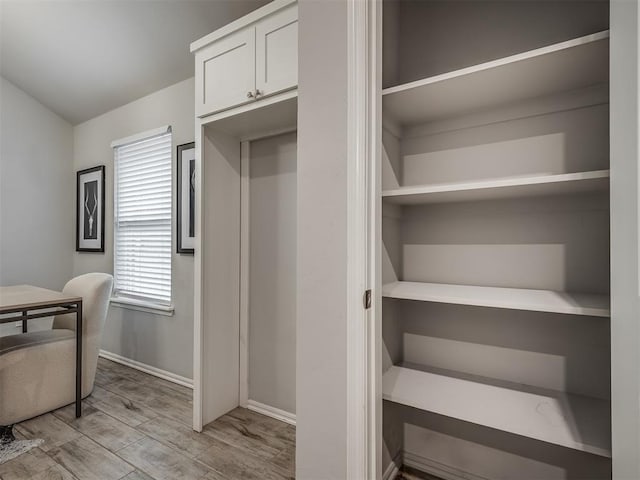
{"points": [[138, 427]]}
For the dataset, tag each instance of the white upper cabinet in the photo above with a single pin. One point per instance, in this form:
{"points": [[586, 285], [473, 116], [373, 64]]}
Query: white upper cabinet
{"points": [[225, 73], [247, 60], [277, 52]]}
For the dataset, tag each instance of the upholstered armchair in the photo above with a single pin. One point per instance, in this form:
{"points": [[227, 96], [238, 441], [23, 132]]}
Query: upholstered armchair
{"points": [[37, 369]]}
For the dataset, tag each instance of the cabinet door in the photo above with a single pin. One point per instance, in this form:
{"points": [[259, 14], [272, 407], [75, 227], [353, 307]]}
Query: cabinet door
{"points": [[277, 52], [225, 73]]}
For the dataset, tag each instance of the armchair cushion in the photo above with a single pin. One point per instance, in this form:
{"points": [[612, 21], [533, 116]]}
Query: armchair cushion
{"points": [[33, 339]]}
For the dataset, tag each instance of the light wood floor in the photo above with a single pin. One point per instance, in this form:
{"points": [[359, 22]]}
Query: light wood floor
{"points": [[137, 427]]}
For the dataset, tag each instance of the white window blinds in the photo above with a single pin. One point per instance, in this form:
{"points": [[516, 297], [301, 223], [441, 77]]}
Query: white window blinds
{"points": [[142, 216]]}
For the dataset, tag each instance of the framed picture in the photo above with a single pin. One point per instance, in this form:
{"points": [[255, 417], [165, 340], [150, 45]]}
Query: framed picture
{"points": [[186, 192], [90, 210]]}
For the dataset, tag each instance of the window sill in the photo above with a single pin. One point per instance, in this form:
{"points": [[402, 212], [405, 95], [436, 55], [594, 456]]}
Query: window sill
{"points": [[142, 306]]}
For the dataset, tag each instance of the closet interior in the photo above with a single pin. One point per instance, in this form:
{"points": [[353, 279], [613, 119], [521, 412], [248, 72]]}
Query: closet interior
{"points": [[248, 332], [270, 276], [495, 239]]}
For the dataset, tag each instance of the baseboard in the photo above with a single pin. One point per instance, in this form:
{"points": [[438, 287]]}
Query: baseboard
{"points": [[143, 367], [272, 412], [391, 471], [437, 469]]}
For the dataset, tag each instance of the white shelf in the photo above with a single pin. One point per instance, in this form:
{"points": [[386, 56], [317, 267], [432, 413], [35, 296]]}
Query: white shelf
{"points": [[565, 66], [511, 298], [573, 421], [540, 185]]}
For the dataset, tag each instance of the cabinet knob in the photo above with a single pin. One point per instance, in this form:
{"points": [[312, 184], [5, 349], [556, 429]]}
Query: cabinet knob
{"points": [[258, 93], [249, 94]]}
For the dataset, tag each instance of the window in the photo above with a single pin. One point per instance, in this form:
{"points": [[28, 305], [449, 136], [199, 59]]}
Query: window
{"points": [[142, 218]]}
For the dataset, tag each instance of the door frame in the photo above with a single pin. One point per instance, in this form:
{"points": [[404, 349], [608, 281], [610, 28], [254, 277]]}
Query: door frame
{"points": [[245, 250], [624, 111], [364, 375]]}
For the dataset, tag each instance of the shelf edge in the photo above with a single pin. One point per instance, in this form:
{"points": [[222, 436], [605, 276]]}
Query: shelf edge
{"points": [[568, 310], [495, 184]]}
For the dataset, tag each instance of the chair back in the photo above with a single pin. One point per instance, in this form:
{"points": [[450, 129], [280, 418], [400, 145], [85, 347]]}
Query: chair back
{"points": [[95, 290]]}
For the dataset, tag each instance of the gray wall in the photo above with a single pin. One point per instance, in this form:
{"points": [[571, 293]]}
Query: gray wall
{"points": [[625, 285], [37, 194], [272, 277], [322, 241], [165, 342]]}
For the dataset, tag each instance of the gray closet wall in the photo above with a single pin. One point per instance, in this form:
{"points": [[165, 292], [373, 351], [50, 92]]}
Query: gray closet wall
{"points": [[423, 38], [272, 272]]}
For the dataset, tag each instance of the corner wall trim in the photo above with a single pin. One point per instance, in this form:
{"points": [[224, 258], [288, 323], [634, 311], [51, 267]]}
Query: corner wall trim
{"points": [[143, 367], [391, 471], [272, 412], [438, 469], [363, 425]]}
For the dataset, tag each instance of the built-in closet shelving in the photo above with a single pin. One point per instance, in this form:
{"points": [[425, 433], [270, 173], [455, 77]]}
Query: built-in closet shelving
{"points": [[438, 202], [496, 297], [528, 186], [535, 413], [576, 63]]}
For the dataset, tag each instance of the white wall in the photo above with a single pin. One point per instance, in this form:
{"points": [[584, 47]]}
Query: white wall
{"points": [[37, 191], [165, 342], [272, 272], [322, 242]]}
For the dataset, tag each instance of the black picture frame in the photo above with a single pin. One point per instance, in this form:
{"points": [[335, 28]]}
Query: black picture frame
{"points": [[89, 203], [185, 198]]}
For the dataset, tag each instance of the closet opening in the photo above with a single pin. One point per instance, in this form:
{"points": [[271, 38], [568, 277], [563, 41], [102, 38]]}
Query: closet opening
{"points": [[495, 239], [248, 264]]}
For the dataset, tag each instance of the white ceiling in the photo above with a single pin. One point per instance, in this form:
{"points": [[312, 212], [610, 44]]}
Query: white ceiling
{"points": [[81, 58]]}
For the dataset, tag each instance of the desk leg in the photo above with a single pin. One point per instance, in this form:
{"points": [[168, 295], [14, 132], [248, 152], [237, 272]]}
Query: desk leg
{"points": [[24, 322], [79, 360]]}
